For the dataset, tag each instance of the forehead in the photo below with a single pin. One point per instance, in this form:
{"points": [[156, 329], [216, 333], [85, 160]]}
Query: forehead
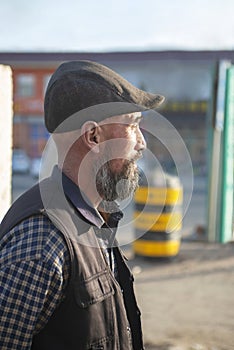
{"points": [[124, 118]]}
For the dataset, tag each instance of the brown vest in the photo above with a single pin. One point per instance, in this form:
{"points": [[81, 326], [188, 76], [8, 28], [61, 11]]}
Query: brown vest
{"points": [[97, 312]]}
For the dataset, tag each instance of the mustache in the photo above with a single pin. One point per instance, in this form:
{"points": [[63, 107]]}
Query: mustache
{"points": [[138, 156], [129, 160]]}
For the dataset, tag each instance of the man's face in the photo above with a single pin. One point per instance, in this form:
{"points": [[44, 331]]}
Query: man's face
{"points": [[117, 173]]}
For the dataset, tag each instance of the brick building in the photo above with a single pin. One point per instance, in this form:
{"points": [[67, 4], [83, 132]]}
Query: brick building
{"points": [[29, 87]]}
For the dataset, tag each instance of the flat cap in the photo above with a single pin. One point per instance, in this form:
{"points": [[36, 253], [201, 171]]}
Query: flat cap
{"points": [[84, 89]]}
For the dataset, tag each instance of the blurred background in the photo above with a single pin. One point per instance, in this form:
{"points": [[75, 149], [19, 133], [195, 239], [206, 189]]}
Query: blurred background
{"points": [[168, 47]]}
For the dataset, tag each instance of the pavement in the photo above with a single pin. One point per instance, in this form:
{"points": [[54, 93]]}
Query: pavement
{"points": [[187, 302]]}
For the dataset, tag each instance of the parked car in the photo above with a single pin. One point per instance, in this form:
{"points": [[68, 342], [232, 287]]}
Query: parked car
{"points": [[35, 167], [20, 162]]}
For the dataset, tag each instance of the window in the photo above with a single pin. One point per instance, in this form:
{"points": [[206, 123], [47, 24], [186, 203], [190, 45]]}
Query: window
{"points": [[25, 85]]}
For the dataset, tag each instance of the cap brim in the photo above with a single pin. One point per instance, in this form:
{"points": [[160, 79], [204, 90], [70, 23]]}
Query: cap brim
{"points": [[103, 111]]}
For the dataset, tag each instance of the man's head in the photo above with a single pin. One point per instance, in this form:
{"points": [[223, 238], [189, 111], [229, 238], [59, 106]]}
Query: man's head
{"points": [[94, 115]]}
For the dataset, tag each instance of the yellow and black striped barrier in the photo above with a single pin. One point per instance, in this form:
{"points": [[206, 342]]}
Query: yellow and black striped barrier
{"points": [[158, 221]]}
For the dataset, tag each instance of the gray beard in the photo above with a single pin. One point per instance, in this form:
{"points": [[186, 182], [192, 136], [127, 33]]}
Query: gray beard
{"points": [[112, 186]]}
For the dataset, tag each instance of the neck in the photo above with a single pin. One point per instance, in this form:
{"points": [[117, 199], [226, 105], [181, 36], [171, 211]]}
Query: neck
{"points": [[84, 181]]}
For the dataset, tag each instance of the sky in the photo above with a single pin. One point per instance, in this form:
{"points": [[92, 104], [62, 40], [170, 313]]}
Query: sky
{"points": [[120, 25]]}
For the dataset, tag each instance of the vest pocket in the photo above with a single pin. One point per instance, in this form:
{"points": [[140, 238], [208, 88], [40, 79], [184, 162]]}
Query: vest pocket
{"points": [[96, 324], [93, 290]]}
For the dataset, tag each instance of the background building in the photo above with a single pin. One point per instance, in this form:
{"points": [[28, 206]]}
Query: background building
{"points": [[184, 77]]}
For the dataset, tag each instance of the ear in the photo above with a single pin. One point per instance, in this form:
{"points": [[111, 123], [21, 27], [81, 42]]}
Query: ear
{"points": [[90, 133]]}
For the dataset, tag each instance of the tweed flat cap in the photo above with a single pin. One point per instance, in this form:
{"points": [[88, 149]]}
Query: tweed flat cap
{"points": [[83, 89]]}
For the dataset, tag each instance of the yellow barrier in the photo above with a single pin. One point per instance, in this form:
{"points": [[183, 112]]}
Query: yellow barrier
{"points": [[156, 249], [161, 196], [158, 221]]}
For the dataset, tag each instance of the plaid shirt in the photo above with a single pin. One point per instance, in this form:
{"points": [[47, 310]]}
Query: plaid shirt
{"points": [[34, 273], [33, 277]]}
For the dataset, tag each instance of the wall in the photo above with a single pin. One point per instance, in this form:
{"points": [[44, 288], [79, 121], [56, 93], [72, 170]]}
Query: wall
{"points": [[6, 115]]}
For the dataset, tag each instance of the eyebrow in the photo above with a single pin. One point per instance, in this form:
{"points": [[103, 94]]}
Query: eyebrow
{"points": [[137, 119]]}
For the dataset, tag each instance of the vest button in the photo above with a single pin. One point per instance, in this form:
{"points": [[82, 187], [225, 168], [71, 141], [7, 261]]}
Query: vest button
{"points": [[131, 278]]}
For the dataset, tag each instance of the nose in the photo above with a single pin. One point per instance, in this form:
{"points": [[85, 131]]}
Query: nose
{"points": [[141, 143]]}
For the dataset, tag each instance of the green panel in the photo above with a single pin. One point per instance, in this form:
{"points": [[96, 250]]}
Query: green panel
{"points": [[226, 230], [215, 127]]}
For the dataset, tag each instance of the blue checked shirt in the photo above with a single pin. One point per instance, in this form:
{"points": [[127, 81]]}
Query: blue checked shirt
{"points": [[34, 273]]}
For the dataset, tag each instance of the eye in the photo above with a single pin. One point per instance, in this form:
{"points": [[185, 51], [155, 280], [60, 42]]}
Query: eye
{"points": [[135, 125]]}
